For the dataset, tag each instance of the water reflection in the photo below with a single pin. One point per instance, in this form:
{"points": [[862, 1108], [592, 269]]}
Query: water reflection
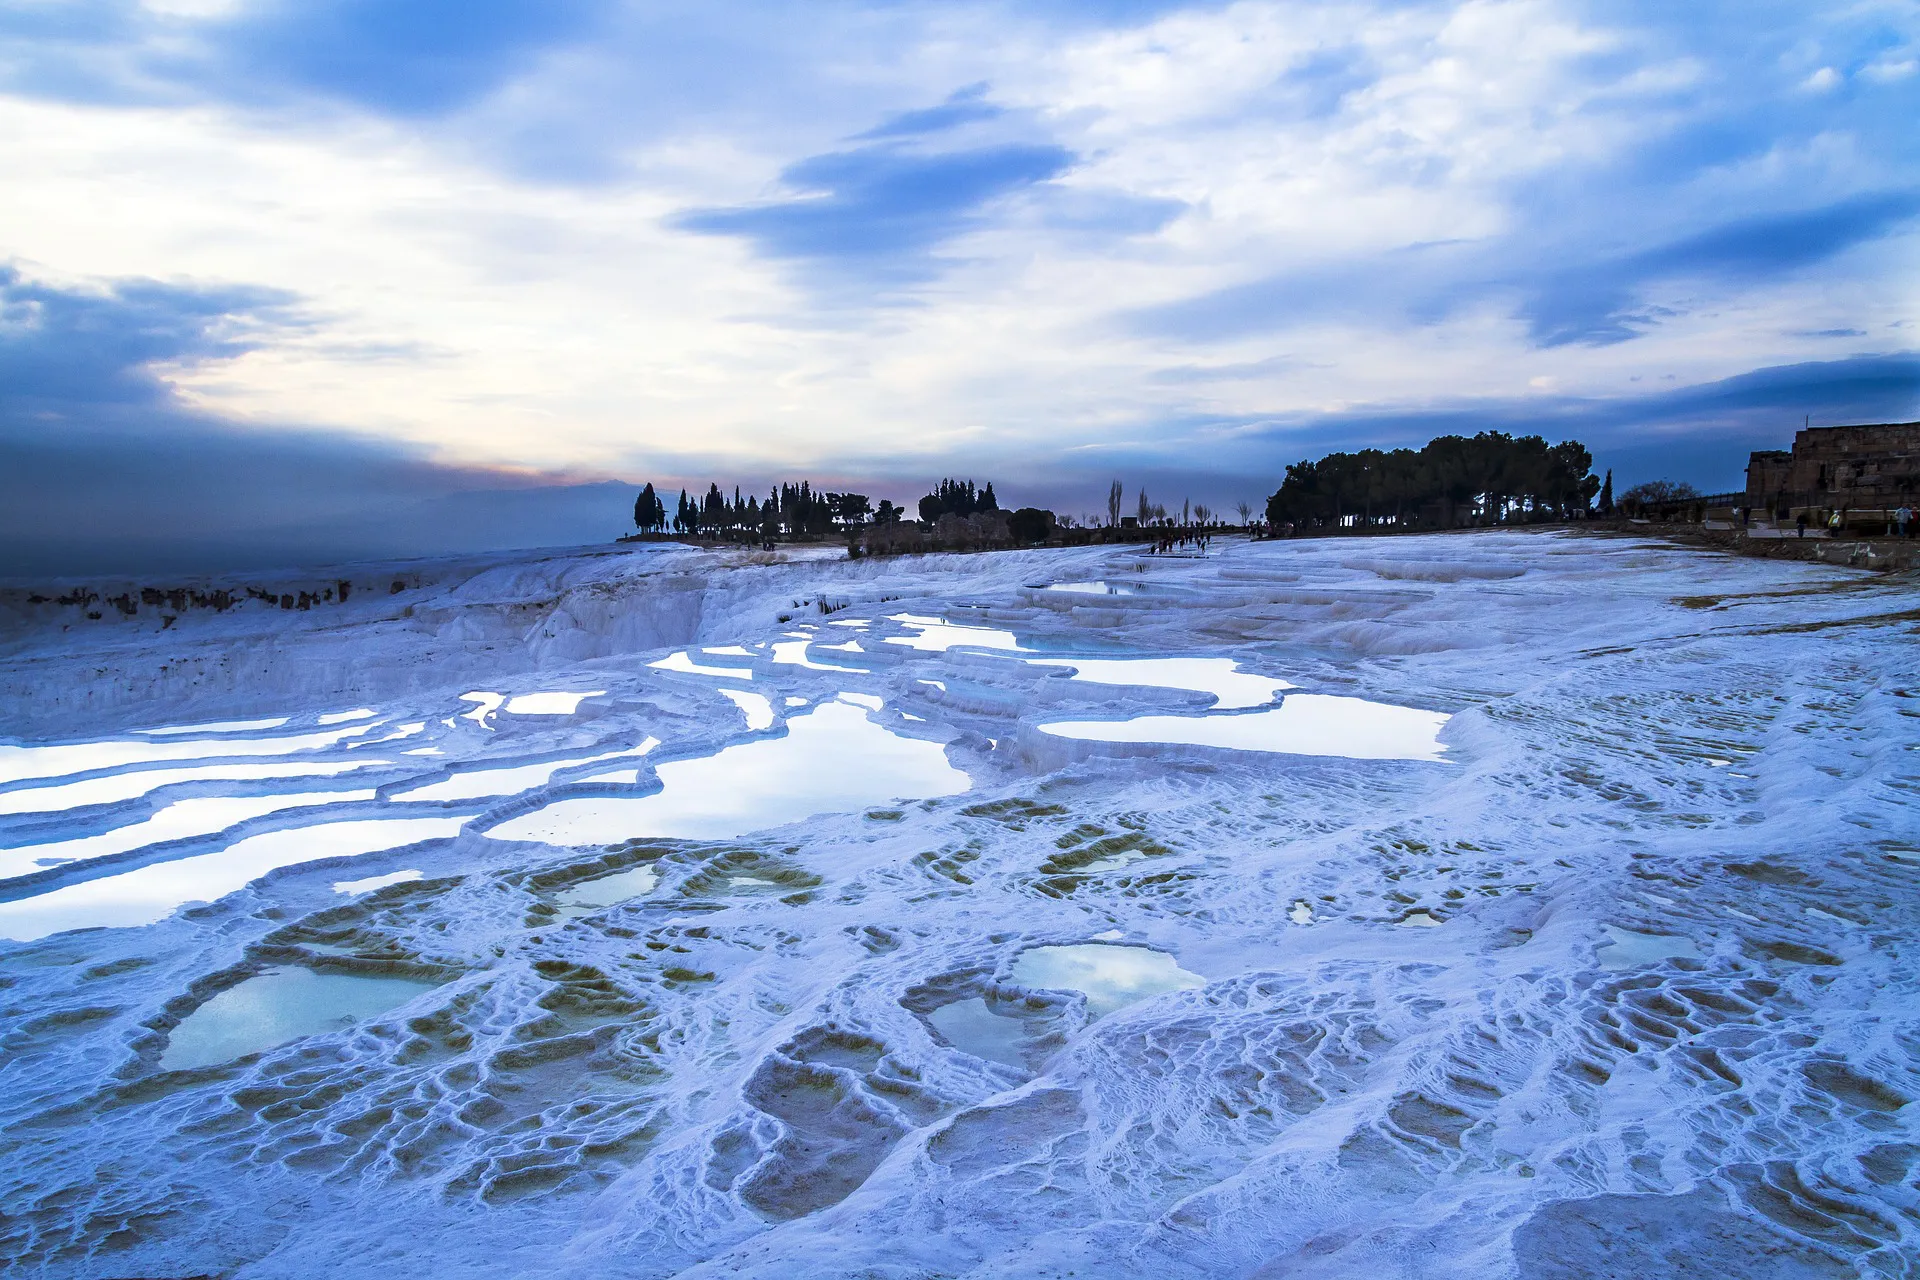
{"points": [[1221, 677], [154, 892], [1626, 949], [1112, 977], [973, 1027], [1307, 724], [594, 896], [277, 1006], [833, 759], [200, 816]]}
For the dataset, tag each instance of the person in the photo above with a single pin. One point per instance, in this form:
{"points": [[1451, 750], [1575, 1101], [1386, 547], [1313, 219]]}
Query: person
{"points": [[1903, 518], [1800, 523], [1833, 525]]}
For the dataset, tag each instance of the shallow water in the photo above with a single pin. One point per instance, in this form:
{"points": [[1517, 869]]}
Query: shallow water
{"points": [[21, 764], [278, 1006], [549, 704], [794, 653], [683, 663], [371, 883], [757, 708], [126, 786], [832, 759], [1221, 677], [595, 896], [1112, 977], [1304, 724], [483, 783], [935, 635], [200, 816], [1626, 949], [1096, 588], [973, 1027], [155, 891]]}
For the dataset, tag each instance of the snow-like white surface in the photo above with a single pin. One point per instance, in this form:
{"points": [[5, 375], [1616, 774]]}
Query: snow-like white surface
{"points": [[1479, 962], [228, 726]]}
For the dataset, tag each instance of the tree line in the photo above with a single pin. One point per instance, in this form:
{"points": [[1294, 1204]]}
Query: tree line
{"points": [[796, 511], [1488, 478]]}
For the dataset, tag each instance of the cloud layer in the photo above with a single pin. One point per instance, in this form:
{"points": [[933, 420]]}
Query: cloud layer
{"points": [[480, 243]]}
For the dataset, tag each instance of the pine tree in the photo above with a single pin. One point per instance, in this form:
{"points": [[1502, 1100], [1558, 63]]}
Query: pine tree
{"points": [[1606, 493]]}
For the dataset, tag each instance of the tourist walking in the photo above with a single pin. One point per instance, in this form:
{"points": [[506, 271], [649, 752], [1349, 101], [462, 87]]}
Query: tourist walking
{"points": [[1902, 519]]}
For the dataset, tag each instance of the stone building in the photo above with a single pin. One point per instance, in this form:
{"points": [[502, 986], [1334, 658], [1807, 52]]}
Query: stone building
{"points": [[1867, 468]]}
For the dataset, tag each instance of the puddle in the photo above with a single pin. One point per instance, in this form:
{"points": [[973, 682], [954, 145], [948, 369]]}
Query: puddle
{"points": [[1419, 920], [371, 883], [973, 1027], [550, 704], [279, 1006], [859, 623], [126, 786], [1301, 912], [485, 705], [22, 764], [201, 816], [1627, 948], [1232, 689], [1096, 588], [1114, 862], [347, 717], [835, 758], [683, 663], [757, 708], [936, 635], [483, 783], [222, 726], [796, 702], [793, 653], [154, 892], [595, 896], [1304, 724], [1112, 977], [732, 650]]}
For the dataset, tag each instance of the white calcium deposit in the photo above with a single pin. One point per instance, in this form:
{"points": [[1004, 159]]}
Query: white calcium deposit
{"points": [[1485, 905]]}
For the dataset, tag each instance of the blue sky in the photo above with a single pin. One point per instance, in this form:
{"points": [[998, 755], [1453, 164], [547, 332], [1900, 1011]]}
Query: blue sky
{"points": [[502, 243]]}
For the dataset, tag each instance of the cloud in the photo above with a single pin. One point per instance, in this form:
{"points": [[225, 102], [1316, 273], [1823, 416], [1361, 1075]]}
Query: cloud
{"points": [[963, 106], [881, 208], [107, 470], [1600, 303], [63, 348]]}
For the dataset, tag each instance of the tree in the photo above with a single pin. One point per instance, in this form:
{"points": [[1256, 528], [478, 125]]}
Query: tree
{"points": [[1029, 525], [1490, 478], [1606, 494], [1245, 510], [986, 501], [1113, 505], [1146, 507], [1202, 512], [649, 513], [887, 513], [1655, 493]]}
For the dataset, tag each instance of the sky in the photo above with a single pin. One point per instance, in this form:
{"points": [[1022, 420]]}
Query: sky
{"points": [[300, 279]]}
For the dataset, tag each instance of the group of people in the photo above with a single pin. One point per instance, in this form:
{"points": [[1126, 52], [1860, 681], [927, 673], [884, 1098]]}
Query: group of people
{"points": [[1900, 524]]}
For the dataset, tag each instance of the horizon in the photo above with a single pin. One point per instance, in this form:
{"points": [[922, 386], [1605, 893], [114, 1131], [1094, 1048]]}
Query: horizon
{"points": [[306, 282]]}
